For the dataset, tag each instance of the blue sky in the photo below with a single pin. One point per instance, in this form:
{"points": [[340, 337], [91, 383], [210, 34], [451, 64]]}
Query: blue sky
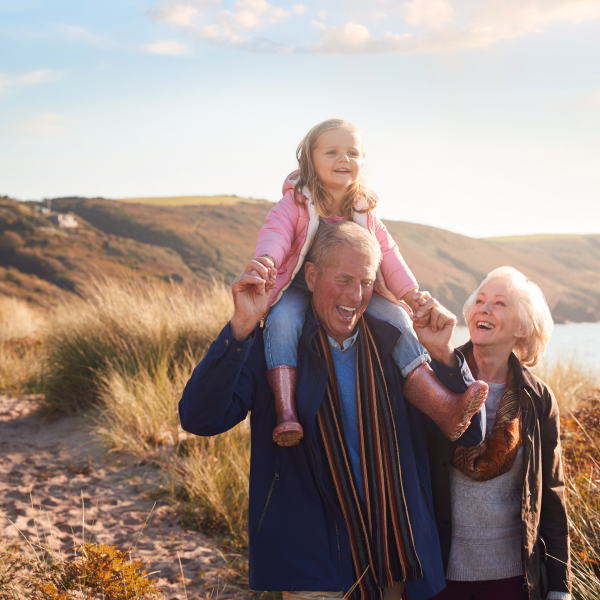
{"points": [[478, 116]]}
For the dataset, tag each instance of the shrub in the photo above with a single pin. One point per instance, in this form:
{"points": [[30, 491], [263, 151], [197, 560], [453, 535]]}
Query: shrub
{"points": [[92, 571]]}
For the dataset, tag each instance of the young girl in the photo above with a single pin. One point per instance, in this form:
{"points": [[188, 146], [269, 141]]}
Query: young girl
{"points": [[329, 186]]}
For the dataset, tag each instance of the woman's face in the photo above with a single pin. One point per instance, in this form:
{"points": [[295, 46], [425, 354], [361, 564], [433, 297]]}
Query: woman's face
{"points": [[493, 320], [338, 158]]}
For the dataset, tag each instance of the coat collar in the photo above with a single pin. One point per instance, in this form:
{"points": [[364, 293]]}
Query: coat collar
{"points": [[525, 380]]}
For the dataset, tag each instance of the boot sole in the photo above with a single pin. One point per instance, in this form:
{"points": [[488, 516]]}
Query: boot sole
{"points": [[288, 434], [475, 403]]}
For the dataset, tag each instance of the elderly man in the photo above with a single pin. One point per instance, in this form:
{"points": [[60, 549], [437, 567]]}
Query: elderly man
{"points": [[351, 504]]}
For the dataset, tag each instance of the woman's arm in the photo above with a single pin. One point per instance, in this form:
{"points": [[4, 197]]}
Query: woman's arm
{"points": [[554, 526]]}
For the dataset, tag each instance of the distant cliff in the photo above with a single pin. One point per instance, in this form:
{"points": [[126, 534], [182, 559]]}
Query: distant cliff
{"points": [[194, 244]]}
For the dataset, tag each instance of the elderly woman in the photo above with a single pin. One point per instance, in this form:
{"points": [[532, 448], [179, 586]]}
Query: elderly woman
{"points": [[500, 507]]}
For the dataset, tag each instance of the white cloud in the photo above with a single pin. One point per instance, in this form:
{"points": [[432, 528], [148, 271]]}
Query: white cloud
{"points": [[167, 48], [215, 24], [45, 125], [452, 24], [40, 76], [78, 34], [430, 14], [433, 25]]}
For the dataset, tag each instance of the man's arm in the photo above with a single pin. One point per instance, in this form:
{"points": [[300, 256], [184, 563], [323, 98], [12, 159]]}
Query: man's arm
{"points": [[222, 387]]}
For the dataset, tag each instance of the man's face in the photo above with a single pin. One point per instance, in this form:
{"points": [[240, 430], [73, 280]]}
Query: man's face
{"points": [[341, 294]]}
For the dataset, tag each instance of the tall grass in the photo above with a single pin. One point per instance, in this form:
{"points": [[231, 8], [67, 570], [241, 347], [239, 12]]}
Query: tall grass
{"points": [[22, 328], [127, 329]]}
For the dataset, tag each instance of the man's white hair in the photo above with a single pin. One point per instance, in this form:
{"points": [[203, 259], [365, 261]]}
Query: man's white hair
{"points": [[342, 235], [532, 310]]}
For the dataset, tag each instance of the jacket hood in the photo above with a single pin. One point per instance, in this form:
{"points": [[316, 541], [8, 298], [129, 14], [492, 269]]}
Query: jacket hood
{"points": [[289, 182]]}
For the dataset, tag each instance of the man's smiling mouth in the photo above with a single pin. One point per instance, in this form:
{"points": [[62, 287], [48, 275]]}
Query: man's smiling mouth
{"points": [[346, 312]]}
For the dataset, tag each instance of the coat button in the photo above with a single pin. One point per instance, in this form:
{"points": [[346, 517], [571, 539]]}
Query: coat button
{"points": [[446, 522], [238, 350], [227, 342], [445, 463]]}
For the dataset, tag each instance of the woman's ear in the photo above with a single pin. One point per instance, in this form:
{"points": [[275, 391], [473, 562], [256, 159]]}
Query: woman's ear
{"points": [[521, 331], [310, 274]]}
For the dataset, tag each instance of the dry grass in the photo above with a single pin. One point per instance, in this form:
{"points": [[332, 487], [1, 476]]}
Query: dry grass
{"points": [[127, 329], [581, 460], [22, 329], [569, 382]]}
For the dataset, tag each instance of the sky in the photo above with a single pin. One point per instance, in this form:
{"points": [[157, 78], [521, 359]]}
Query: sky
{"points": [[478, 116]]}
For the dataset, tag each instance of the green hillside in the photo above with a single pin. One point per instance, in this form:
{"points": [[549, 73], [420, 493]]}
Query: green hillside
{"points": [[196, 243], [188, 200]]}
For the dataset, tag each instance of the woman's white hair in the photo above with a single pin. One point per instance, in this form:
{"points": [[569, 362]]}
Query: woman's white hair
{"points": [[532, 310]]}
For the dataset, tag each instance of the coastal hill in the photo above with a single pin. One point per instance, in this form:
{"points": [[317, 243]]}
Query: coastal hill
{"points": [[195, 240]]}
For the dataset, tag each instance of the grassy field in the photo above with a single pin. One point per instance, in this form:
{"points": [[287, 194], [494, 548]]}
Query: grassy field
{"points": [[189, 200], [122, 354]]}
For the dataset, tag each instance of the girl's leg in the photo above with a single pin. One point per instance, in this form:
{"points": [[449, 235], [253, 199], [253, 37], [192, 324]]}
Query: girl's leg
{"points": [[449, 411], [408, 353], [284, 327], [281, 335]]}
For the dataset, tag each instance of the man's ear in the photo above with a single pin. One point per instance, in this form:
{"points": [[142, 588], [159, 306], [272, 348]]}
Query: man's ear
{"points": [[310, 274]]}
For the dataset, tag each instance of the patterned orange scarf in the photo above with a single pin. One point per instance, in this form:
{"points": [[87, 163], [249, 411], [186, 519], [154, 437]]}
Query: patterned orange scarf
{"points": [[497, 453]]}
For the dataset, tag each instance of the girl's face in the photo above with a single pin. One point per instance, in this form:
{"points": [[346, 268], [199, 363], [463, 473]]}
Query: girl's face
{"points": [[494, 320], [338, 159]]}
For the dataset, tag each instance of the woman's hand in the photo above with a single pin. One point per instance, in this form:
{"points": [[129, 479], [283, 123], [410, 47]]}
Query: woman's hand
{"points": [[251, 292], [436, 337]]}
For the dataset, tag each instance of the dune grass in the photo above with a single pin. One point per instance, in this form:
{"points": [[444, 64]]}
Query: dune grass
{"points": [[22, 333], [126, 329]]}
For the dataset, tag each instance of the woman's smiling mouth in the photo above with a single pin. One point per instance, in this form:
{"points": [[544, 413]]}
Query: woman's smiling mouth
{"points": [[484, 325]]}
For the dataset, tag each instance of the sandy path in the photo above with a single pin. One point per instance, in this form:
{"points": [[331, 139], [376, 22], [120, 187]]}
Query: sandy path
{"points": [[52, 464]]}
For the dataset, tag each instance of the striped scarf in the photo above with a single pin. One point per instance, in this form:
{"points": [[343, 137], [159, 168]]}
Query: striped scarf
{"points": [[497, 453], [381, 538]]}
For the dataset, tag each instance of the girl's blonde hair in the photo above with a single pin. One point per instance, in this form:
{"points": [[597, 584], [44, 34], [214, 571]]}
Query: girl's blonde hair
{"points": [[532, 309], [308, 176]]}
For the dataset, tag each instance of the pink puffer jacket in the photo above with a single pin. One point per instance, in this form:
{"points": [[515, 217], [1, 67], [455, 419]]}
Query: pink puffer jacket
{"points": [[288, 233]]}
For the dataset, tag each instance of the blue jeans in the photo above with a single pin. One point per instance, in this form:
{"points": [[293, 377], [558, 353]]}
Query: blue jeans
{"points": [[286, 319]]}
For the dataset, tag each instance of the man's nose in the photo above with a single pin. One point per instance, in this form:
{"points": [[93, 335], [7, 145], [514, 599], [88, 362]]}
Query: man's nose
{"points": [[355, 293]]}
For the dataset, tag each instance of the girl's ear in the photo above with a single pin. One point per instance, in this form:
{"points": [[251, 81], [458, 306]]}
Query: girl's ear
{"points": [[310, 274]]}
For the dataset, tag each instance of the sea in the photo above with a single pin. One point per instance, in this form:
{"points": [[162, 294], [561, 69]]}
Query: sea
{"points": [[578, 343]]}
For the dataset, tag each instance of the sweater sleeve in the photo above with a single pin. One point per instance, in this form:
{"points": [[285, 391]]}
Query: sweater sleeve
{"points": [[277, 234], [398, 277]]}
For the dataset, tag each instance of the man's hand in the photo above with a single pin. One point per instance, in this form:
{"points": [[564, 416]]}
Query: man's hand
{"points": [[251, 292], [436, 337]]}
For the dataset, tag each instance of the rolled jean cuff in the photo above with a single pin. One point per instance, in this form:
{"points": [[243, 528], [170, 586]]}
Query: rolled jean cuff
{"points": [[414, 364]]}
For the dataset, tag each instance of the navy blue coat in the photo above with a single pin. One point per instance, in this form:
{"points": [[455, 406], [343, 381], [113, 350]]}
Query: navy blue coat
{"points": [[297, 536]]}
